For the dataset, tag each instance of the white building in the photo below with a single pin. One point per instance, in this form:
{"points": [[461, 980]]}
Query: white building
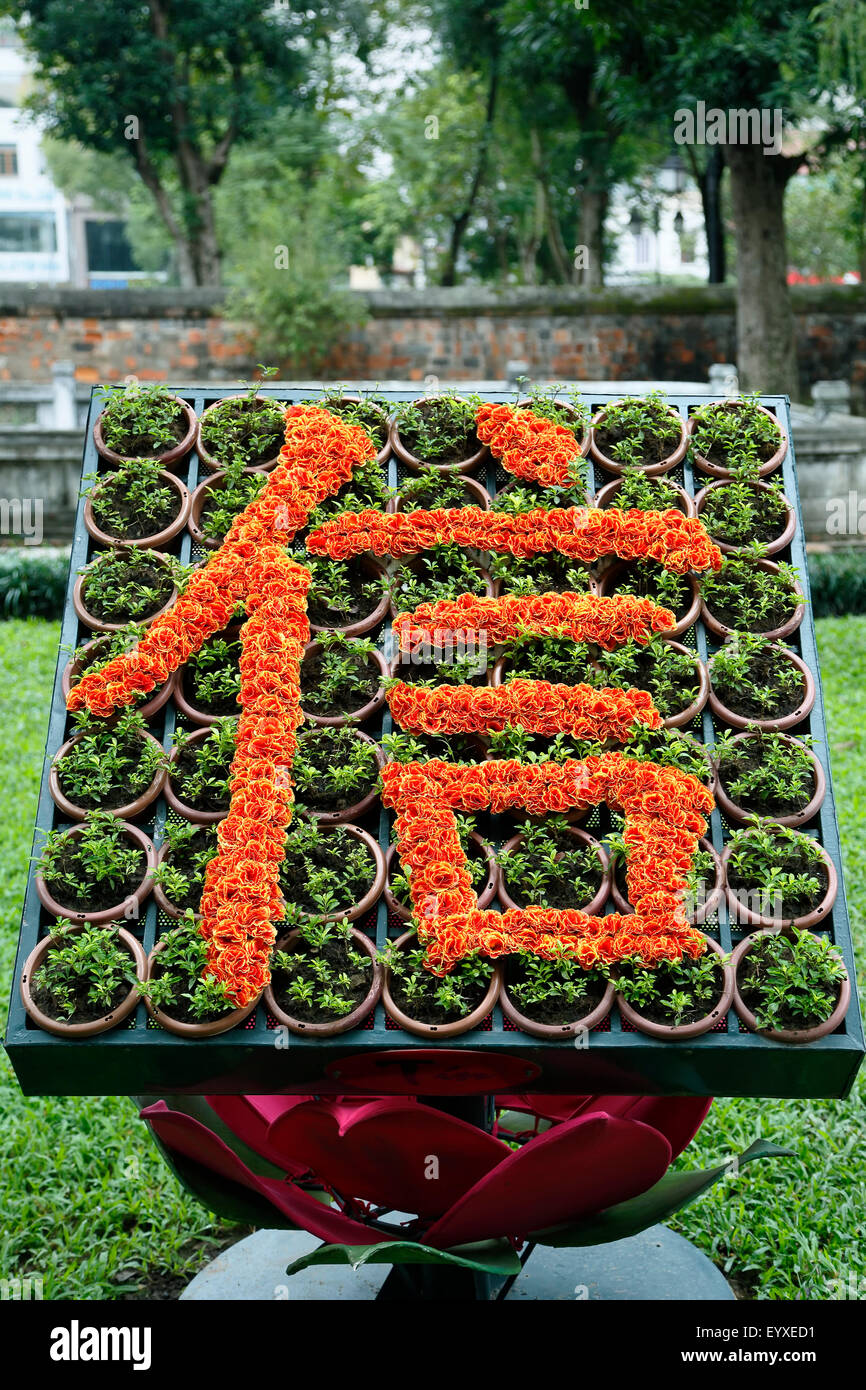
{"points": [[658, 231]]}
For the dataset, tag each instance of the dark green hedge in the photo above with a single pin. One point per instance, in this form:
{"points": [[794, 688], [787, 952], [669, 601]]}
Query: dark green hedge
{"points": [[33, 582], [838, 580]]}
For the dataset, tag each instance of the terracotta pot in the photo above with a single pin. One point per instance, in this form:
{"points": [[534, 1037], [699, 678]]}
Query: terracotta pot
{"points": [[595, 903], [525, 403], [363, 712], [339, 1025], [438, 1030], [127, 812], [419, 465], [485, 897], [371, 568], [90, 620], [360, 808], [214, 465], [785, 721], [653, 470], [740, 816], [189, 813], [150, 707], [785, 536], [719, 629], [605, 496], [688, 713], [478, 497], [185, 704], [159, 538], [555, 1032], [373, 893], [130, 906], [169, 457], [384, 453], [702, 910], [716, 471], [214, 483], [610, 577], [97, 1025], [671, 1033], [397, 604], [741, 914], [194, 1030], [785, 1035], [163, 902]]}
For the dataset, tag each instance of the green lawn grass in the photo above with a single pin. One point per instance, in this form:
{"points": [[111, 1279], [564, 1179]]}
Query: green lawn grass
{"points": [[88, 1206]]}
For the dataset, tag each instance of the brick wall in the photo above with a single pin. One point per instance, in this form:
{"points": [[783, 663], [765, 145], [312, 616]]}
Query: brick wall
{"points": [[462, 333]]}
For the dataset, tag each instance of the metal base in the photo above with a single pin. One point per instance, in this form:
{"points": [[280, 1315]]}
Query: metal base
{"points": [[657, 1265]]}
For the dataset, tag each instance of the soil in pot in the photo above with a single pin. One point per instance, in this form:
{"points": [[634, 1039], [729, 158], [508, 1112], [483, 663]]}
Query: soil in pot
{"points": [[756, 679], [790, 980], [743, 595], [638, 433], [418, 748], [766, 774], [741, 512], [672, 677], [735, 434], [200, 771], [96, 653], [181, 871], [439, 430], [637, 492], [136, 502], [334, 769], [211, 677], [123, 586], [432, 999], [339, 675], [142, 422], [434, 489], [86, 973], [671, 748], [95, 868], [342, 592], [224, 497], [547, 659], [553, 992], [776, 871], [325, 871], [443, 573], [244, 431], [552, 865], [323, 975], [540, 574], [674, 993], [178, 984], [370, 413], [649, 579], [108, 765]]}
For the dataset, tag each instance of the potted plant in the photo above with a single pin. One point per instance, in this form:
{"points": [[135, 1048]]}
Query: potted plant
{"points": [[675, 677], [331, 872], [114, 766], [432, 489], [774, 875], [545, 659], [419, 748], [554, 999], [648, 579], [82, 980], [705, 879], [178, 880], [644, 433], [348, 596], [738, 512], [524, 495], [208, 685], [480, 861], [676, 999], [545, 402], [198, 786], [759, 684], [96, 653], [325, 979], [246, 431], [138, 504], [126, 586], [144, 422], [634, 490], [540, 574], [367, 411], [764, 773], [726, 434], [438, 432], [336, 773], [367, 487], [218, 500], [752, 594], [430, 1006], [445, 572], [181, 994], [342, 680], [455, 668], [791, 986], [672, 748], [553, 864], [97, 871]]}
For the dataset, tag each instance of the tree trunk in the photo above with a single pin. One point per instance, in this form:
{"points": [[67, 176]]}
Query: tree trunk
{"points": [[711, 198], [461, 221], [766, 349], [546, 218], [590, 233], [204, 247]]}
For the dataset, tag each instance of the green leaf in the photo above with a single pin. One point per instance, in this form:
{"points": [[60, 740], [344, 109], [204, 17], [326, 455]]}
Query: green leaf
{"points": [[487, 1257], [226, 1199], [673, 1192]]}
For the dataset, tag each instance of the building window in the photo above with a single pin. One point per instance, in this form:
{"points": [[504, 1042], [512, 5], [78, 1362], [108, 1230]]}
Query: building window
{"points": [[8, 161], [28, 232], [108, 249]]}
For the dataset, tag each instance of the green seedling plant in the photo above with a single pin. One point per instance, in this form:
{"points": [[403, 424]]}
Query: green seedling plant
{"points": [[370, 412], [444, 572], [560, 985], [735, 434], [648, 579], [235, 491], [738, 512], [100, 862], [540, 574], [744, 597], [637, 492], [428, 997], [754, 678], [782, 867], [550, 658], [342, 675], [368, 487], [765, 773], [134, 502], [324, 976], [140, 421], [109, 764], [181, 873], [130, 585], [242, 431], [340, 593], [672, 991], [442, 429], [182, 983], [550, 867], [333, 767], [669, 748], [86, 972], [324, 871], [671, 677], [213, 673], [400, 747], [791, 979], [201, 771], [639, 431]]}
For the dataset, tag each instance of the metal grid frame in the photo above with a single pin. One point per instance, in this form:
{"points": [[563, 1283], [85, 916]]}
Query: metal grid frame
{"points": [[141, 1058]]}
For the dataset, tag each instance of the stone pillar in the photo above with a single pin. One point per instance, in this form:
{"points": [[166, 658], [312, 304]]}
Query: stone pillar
{"points": [[831, 398], [65, 409]]}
